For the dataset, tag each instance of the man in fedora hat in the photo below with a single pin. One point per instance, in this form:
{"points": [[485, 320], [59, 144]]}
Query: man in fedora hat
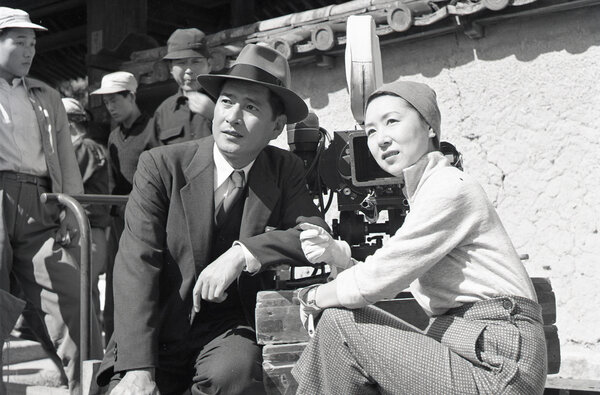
{"points": [[196, 250], [36, 157], [187, 114]]}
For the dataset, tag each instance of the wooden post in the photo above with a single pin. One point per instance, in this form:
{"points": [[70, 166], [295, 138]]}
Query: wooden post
{"points": [[108, 23]]}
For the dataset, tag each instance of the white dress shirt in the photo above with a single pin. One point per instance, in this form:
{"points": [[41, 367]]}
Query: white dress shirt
{"points": [[222, 171]]}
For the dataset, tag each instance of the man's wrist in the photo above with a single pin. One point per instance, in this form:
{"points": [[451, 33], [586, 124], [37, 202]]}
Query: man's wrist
{"points": [[142, 372]]}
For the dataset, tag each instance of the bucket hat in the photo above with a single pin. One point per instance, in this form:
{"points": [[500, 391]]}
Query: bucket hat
{"points": [[15, 18], [118, 81]]}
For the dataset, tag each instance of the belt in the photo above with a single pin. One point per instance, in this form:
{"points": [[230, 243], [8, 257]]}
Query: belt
{"points": [[499, 308], [26, 178]]}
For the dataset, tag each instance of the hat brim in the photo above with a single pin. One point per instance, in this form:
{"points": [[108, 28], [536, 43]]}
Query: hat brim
{"points": [[295, 108], [23, 25], [186, 53], [108, 91]]}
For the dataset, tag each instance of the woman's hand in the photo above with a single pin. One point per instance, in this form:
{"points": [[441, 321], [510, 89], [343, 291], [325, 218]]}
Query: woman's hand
{"points": [[309, 311], [318, 246]]}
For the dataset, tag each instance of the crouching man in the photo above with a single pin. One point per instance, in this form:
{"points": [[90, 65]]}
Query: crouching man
{"points": [[194, 251]]}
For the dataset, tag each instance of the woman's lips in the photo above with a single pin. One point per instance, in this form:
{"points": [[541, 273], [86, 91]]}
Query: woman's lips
{"points": [[389, 154]]}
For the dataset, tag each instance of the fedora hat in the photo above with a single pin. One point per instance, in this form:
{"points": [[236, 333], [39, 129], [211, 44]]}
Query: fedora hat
{"points": [[264, 66]]}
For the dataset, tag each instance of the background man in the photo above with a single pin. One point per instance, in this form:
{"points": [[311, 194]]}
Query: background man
{"points": [[125, 144], [187, 114], [195, 247], [36, 156], [93, 167]]}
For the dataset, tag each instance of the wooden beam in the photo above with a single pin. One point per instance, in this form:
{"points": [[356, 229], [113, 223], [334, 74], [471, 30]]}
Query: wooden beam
{"points": [[55, 7], [242, 12], [61, 39]]}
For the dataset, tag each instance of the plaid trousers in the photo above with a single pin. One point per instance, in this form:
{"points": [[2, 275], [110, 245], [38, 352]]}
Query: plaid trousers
{"points": [[495, 346]]}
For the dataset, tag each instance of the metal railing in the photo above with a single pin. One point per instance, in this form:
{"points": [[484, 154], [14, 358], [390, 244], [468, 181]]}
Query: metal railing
{"points": [[74, 204]]}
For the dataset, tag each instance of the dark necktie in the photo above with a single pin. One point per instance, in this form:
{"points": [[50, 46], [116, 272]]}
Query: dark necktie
{"points": [[236, 187]]}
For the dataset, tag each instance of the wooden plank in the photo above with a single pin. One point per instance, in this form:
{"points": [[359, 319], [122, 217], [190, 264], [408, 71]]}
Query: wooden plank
{"points": [[88, 377], [278, 318], [581, 385], [278, 361], [552, 348]]}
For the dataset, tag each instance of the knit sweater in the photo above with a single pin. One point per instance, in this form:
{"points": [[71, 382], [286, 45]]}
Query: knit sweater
{"points": [[452, 248]]}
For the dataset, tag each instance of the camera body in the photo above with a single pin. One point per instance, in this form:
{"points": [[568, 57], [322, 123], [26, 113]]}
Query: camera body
{"points": [[364, 191]]}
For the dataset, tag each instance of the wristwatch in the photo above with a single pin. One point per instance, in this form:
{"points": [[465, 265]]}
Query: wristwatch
{"points": [[307, 297]]}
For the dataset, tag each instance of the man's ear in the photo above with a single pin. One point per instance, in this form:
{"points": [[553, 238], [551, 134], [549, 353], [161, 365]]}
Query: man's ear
{"points": [[280, 122], [431, 133]]}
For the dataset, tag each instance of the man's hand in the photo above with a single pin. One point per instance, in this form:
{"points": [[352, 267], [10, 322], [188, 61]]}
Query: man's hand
{"points": [[318, 246], [201, 104], [218, 276], [137, 382], [67, 231]]}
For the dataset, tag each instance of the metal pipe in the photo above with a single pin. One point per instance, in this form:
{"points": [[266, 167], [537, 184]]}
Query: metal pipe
{"points": [[73, 203], [117, 200], [85, 273]]}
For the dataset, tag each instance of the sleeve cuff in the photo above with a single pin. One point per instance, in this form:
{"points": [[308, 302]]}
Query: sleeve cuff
{"points": [[347, 290], [252, 265]]}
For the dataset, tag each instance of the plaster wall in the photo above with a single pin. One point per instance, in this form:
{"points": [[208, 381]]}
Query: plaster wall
{"points": [[523, 106]]}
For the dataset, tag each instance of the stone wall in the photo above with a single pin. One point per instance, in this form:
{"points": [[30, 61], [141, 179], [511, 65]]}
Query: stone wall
{"points": [[523, 106]]}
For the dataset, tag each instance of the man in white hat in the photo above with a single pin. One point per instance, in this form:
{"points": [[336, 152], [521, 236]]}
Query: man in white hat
{"points": [[36, 156], [188, 113], [196, 250], [125, 144]]}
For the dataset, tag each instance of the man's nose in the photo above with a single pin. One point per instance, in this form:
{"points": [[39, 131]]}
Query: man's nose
{"points": [[29, 52], [234, 114]]}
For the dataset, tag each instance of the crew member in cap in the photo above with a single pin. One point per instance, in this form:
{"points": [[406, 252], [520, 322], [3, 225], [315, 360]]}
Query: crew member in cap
{"points": [[195, 250], [452, 251], [126, 142], [93, 166], [36, 156], [188, 113]]}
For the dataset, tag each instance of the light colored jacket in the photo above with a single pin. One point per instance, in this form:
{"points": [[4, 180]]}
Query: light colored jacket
{"points": [[452, 248], [56, 137]]}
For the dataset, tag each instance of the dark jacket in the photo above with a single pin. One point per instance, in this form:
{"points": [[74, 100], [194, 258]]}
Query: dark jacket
{"points": [[93, 166], [168, 239]]}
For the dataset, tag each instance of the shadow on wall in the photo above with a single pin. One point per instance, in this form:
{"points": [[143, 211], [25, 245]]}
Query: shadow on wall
{"points": [[525, 39]]}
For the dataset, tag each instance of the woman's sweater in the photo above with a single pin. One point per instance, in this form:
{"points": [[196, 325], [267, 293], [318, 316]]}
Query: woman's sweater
{"points": [[451, 249]]}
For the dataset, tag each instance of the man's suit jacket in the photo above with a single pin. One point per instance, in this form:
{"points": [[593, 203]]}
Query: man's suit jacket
{"points": [[167, 242]]}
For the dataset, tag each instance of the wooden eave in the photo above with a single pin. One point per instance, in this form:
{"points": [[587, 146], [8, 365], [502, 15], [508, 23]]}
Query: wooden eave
{"points": [[314, 35]]}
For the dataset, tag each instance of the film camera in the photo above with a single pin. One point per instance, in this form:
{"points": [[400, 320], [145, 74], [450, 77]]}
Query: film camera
{"points": [[346, 169], [369, 200]]}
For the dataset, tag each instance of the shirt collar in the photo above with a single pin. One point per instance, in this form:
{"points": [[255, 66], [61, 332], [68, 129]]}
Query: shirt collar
{"points": [[140, 119], [415, 175], [223, 169], [17, 81]]}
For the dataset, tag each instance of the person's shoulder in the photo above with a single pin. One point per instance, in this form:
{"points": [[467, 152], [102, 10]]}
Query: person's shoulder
{"points": [[180, 152], [34, 83], [38, 84], [168, 103], [455, 184], [277, 153]]}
